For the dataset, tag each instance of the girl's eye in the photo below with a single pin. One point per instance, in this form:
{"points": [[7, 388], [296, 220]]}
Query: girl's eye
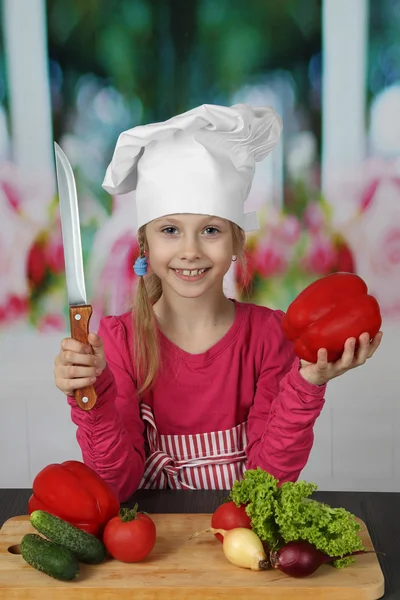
{"points": [[211, 230], [169, 230]]}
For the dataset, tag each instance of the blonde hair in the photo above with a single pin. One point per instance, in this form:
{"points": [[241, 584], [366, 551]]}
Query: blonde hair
{"points": [[149, 290]]}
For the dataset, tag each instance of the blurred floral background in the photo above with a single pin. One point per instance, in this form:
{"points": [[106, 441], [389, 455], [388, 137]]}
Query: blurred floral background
{"points": [[116, 64]]}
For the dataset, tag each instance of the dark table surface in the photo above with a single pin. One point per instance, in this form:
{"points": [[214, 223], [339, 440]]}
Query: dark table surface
{"points": [[377, 509]]}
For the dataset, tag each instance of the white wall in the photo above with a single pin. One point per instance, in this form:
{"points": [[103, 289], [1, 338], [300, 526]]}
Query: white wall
{"points": [[357, 446], [35, 425], [356, 442]]}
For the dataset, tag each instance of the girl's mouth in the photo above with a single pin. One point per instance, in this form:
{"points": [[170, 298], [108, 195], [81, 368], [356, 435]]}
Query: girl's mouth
{"points": [[190, 275]]}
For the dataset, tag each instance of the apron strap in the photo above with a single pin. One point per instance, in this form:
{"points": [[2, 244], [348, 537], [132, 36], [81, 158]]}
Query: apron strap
{"points": [[163, 470]]}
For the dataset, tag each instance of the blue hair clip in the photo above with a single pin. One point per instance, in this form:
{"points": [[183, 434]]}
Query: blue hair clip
{"points": [[140, 266]]}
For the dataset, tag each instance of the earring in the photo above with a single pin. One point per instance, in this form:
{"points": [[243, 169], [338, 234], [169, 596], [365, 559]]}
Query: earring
{"points": [[234, 258], [140, 266]]}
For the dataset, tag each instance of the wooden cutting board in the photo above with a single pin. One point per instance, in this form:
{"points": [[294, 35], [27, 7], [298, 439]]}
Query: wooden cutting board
{"points": [[181, 569]]}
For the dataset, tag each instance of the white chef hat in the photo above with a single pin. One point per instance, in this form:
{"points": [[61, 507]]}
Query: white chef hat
{"points": [[199, 162]]}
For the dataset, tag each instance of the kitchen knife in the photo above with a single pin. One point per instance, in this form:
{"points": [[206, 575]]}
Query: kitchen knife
{"points": [[79, 310]]}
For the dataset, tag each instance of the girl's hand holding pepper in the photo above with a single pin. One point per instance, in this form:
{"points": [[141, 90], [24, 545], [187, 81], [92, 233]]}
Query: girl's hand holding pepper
{"points": [[323, 371]]}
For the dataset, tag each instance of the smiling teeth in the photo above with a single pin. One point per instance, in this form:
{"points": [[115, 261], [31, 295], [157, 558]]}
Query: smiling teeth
{"points": [[190, 273]]}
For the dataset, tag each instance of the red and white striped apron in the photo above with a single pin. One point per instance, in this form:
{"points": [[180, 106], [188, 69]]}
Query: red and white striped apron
{"points": [[202, 461]]}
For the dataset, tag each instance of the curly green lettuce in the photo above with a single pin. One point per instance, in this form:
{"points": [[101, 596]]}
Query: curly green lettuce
{"points": [[287, 513], [259, 491]]}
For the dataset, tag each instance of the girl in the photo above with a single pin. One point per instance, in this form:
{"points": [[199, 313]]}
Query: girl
{"points": [[194, 387]]}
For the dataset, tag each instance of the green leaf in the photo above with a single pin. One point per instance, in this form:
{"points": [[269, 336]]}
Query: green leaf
{"points": [[288, 513]]}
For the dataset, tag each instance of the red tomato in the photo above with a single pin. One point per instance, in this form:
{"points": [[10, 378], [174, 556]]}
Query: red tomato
{"points": [[229, 516], [130, 536]]}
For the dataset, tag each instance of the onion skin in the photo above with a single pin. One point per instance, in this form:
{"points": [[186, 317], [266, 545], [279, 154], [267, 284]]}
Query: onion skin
{"points": [[242, 547], [297, 559], [300, 558]]}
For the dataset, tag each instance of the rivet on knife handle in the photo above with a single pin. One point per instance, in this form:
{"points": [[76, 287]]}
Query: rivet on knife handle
{"points": [[79, 317]]}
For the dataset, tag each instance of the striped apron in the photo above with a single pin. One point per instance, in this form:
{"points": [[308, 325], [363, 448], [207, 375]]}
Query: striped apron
{"points": [[202, 461]]}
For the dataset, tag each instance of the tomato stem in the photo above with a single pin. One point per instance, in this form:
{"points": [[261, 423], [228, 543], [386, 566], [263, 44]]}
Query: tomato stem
{"points": [[129, 514]]}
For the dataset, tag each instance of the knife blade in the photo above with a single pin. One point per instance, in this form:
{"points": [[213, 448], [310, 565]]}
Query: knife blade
{"points": [[79, 309]]}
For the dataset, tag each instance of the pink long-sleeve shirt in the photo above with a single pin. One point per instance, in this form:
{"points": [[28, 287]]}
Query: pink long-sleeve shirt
{"points": [[251, 375]]}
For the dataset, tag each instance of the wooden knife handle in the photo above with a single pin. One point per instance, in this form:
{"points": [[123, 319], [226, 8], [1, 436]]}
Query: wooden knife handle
{"points": [[79, 317]]}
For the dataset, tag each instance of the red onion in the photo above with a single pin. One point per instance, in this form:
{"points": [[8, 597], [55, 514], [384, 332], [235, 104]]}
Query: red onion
{"points": [[300, 558]]}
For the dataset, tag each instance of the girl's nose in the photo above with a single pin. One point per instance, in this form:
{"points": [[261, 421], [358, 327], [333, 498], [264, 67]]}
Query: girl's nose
{"points": [[190, 248]]}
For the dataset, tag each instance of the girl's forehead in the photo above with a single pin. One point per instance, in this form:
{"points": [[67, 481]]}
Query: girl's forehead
{"points": [[189, 219]]}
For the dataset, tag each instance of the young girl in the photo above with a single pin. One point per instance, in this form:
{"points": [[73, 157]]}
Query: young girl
{"points": [[194, 387]]}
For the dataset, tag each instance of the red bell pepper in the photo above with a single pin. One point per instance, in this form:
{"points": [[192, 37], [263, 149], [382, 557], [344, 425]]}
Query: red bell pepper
{"points": [[328, 312], [75, 493]]}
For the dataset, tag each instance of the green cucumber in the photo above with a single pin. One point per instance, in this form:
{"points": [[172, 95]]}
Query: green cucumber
{"points": [[48, 557], [87, 547]]}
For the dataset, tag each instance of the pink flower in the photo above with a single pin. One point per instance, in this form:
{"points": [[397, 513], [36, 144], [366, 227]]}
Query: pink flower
{"points": [[288, 230], [12, 194], [270, 252], [355, 192], [374, 237], [110, 276], [23, 203], [36, 264], [368, 194], [391, 247], [314, 217], [55, 250], [269, 260], [115, 282], [388, 257], [45, 255], [51, 322], [344, 257], [14, 308], [320, 258], [55, 258]]}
